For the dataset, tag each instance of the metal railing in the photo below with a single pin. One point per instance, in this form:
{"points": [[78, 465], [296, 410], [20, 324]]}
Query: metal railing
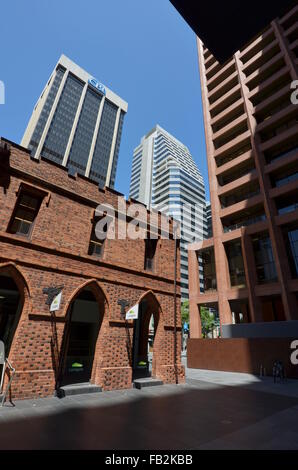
{"points": [[245, 223]]}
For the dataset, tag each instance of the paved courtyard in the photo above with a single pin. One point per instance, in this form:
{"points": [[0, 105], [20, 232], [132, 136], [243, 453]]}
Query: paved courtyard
{"points": [[213, 410]]}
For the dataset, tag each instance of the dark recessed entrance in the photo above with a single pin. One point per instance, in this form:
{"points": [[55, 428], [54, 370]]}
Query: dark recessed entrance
{"points": [[10, 310], [143, 341], [80, 338]]}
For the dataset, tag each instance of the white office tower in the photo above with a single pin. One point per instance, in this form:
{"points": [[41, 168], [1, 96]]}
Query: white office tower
{"points": [[165, 177], [77, 122]]}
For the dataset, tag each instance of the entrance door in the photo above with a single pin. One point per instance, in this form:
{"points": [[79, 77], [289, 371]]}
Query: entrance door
{"points": [[10, 310], [81, 337], [144, 333]]}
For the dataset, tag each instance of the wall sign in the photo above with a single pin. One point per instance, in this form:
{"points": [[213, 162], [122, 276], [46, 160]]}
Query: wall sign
{"points": [[133, 313], [52, 293], [55, 305], [96, 84]]}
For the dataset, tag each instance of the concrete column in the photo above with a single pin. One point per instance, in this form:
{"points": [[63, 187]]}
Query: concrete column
{"points": [[255, 305]]}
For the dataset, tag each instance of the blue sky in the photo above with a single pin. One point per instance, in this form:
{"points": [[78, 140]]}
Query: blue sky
{"points": [[141, 49]]}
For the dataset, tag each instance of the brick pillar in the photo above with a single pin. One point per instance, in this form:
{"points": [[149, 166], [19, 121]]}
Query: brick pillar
{"points": [[194, 292], [255, 306], [222, 271]]}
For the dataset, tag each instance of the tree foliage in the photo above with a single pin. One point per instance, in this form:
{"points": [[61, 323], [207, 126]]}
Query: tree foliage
{"points": [[185, 312], [207, 320]]}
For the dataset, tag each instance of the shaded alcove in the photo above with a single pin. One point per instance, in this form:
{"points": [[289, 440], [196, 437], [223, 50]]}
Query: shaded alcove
{"points": [[84, 319]]}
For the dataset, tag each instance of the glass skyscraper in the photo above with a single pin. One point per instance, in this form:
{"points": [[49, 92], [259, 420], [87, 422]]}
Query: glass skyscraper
{"points": [[77, 122], [165, 177]]}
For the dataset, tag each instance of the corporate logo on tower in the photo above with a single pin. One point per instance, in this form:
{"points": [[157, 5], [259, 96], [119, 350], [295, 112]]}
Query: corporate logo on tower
{"points": [[96, 84]]}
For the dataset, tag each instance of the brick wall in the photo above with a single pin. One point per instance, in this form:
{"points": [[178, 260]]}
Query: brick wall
{"points": [[57, 254]]}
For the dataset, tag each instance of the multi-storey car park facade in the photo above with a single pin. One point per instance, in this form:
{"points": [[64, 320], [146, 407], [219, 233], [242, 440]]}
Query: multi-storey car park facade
{"points": [[165, 177], [48, 244], [251, 262], [77, 122]]}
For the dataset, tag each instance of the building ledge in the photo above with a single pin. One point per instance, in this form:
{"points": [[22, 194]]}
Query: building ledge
{"points": [[285, 189], [202, 245], [286, 218], [267, 290]]}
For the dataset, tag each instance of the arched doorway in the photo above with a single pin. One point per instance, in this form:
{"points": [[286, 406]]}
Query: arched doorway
{"points": [[145, 329], [11, 305], [84, 320]]}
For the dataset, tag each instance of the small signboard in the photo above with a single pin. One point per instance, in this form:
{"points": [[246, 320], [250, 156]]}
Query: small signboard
{"points": [[55, 305], [2, 353], [133, 313]]}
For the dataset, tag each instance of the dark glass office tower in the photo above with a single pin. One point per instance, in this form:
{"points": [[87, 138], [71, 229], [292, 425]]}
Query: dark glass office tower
{"points": [[77, 122]]}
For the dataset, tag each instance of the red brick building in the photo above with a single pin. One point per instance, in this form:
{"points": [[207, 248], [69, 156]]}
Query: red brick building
{"points": [[47, 240], [250, 266], [250, 262]]}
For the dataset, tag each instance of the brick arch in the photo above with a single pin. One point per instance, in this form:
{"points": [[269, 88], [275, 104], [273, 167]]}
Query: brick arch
{"points": [[103, 304], [11, 270], [153, 307], [98, 291], [150, 296]]}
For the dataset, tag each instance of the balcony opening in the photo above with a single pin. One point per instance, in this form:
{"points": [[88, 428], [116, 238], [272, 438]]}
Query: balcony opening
{"points": [[214, 70], [222, 76], [264, 260], [229, 136], [290, 21], [265, 57], [240, 311], [235, 146], [288, 203], [266, 90], [267, 38], [287, 123], [265, 73], [223, 90], [226, 102], [292, 37], [284, 150], [236, 172], [274, 108], [228, 118], [236, 266], [206, 261], [248, 191], [284, 176], [290, 234], [246, 218], [234, 154]]}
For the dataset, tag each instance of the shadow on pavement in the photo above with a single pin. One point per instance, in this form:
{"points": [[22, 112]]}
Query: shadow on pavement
{"points": [[168, 417]]}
